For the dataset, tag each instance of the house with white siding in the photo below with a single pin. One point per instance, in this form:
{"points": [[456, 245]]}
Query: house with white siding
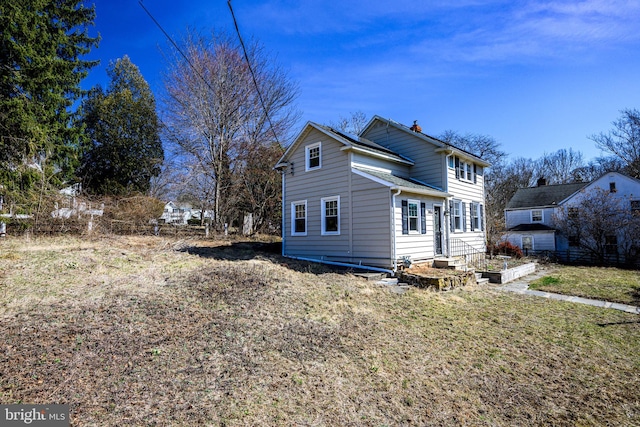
{"points": [[389, 196], [531, 214]]}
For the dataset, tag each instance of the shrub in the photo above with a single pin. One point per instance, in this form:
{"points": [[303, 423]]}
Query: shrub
{"points": [[508, 248]]}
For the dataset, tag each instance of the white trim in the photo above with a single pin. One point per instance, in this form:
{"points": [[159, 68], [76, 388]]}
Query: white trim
{"points": [[323, 211], [418, 218], [293, 218], [522, 236], [541, 216], [373, 168], [462, 215], [307, 149]]}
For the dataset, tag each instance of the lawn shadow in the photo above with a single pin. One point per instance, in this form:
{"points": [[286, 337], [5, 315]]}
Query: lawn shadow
{"points": [[635, 295], [248, 250]]}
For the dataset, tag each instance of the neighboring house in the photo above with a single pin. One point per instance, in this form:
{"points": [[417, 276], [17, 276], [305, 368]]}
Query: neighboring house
{"points": [[391, 195], [73, 205], [531, 213], [178, 214]]}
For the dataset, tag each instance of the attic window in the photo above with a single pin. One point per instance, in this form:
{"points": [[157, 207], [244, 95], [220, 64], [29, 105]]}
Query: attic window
{"points": [[612, 187], [313, 156]]}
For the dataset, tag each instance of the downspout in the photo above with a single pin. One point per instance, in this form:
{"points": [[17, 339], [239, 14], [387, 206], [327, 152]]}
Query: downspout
{"points": [[393, 230], [284, 231]]}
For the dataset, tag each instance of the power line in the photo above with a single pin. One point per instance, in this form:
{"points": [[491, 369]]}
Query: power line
{"points": [[176, 46], [253, 76], [246, 57]]}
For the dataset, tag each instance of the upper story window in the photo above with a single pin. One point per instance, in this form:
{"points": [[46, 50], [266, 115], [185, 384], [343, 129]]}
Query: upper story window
{"points": [[313, 156], [573, 213], [536, 215], [465, 171], [330, 215]]}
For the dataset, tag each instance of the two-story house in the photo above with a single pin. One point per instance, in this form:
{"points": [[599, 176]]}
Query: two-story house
{"points": [[532, 214], [388, 196]]}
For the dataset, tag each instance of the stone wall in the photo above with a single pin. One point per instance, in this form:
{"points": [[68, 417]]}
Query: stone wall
{"points": [[444, 283], [509, 274]]}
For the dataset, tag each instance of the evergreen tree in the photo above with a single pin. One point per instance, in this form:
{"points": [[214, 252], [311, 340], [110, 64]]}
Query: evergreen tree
{"points": [[124, 150], [41, 43]]}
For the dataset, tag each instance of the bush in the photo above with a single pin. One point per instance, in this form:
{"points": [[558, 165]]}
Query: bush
{"points": [[509, 249]]}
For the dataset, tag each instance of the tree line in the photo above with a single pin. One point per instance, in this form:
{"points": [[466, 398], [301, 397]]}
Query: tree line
{"points": [[211, 139], [224, 116]]}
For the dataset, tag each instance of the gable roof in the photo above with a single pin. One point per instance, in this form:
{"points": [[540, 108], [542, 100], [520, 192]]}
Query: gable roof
{"points": [[440, 146], [395, 182], [350, 142], [544, 195]]}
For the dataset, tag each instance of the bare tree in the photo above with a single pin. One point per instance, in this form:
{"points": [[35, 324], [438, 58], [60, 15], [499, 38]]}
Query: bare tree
{"points": [[354, 124], [602, 225], [562, 167], [215, 112], [623, 141]]}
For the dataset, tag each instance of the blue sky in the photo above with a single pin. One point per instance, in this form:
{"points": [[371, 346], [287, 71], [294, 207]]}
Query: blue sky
{"points": [[537, 76]]}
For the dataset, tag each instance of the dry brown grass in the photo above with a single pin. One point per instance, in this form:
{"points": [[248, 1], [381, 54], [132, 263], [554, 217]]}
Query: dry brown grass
{"points": [[147, 331]]}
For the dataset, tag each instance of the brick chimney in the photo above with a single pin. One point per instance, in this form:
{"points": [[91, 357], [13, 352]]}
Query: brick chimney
{"points": [[416, 127], [542, 181]]}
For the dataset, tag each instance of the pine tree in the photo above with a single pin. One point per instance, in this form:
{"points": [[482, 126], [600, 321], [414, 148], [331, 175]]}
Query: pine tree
{"points": [[41, 43], [124, 150]]}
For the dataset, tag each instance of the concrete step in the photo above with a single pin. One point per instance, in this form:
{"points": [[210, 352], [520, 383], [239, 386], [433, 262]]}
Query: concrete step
{"points": [[452, 263], [372, 276]]}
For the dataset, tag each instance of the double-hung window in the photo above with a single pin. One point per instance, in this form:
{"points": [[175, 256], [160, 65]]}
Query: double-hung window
{"points": [[313, 156], [414, 217], [464, 171], [477, 219], [299, 218], [330, 215], [458, 215], [536, 215]]}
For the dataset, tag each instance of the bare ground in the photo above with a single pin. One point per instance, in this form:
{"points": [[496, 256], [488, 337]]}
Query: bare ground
{"points": [[147, 331]]}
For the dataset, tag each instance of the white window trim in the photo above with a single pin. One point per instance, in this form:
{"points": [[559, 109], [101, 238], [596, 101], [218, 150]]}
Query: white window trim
{"points": [[480, 226], [418, 219], [541, 215], [459, 203], [466, 169], [323, 210], [307, 149], [293, 218]]}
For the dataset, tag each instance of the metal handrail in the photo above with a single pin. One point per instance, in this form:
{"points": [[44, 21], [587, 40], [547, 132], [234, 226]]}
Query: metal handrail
{"points": [[472, 256]]}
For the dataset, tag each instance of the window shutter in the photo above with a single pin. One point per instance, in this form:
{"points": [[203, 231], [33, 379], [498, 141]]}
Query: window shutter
{"points": [[464, 216], [423, 218], [475, 173], [451, 215], [481, 218], [405, 217], [457, 168]]}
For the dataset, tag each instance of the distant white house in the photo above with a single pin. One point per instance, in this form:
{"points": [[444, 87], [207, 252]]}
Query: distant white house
{"points": [[180, 214], [72, 206], [531, 213]]}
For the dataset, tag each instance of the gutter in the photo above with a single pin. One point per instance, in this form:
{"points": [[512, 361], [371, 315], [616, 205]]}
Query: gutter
{"points": [[342, 264]]}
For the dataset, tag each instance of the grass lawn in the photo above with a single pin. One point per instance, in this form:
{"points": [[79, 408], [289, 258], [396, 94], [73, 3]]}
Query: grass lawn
{"points": [[149, 331], [604, 283]]}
